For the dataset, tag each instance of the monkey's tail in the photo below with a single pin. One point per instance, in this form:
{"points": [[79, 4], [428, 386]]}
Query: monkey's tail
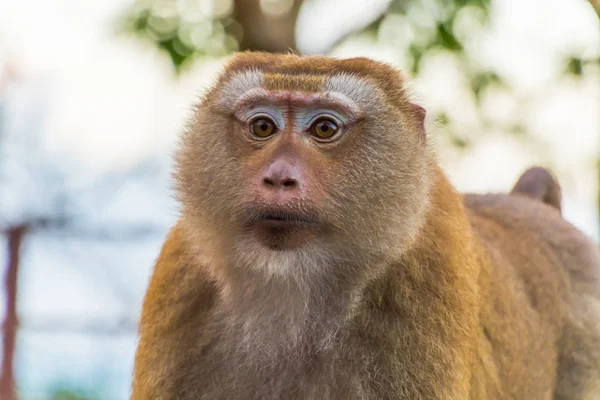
{"points": [[539, 184]]}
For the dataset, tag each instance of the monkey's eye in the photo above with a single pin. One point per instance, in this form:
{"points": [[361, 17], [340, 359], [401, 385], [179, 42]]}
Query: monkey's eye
{"points": [[324, 129], [263, 127]]}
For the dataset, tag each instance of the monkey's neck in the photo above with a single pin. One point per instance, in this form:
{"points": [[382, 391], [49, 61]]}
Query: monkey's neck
{"points": [[280, 313]]}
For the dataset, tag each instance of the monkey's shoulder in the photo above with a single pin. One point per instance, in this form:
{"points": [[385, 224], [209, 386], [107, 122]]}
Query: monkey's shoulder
{"points": [[179, 284]]}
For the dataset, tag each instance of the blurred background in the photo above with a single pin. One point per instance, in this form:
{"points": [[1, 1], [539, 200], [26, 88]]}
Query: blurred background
{"points": [[93, 94]]}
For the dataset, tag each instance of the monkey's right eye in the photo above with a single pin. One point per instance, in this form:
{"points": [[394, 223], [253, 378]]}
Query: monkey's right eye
{"points": [[263, 127]]}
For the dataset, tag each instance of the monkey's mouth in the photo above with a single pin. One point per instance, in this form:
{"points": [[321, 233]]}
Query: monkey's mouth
{"points": [[283, 229], [283, 219]]}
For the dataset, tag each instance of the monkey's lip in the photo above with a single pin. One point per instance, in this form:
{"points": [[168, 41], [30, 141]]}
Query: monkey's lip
{"points": [[283, 218], [283, 228]]}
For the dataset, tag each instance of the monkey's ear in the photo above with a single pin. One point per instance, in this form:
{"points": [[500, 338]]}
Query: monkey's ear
{"points": [[419, 113]]}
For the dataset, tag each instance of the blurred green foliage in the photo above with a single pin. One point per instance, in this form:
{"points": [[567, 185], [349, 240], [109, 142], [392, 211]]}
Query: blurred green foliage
{"points": [[434, 24], [576, 65], [185, 29]]}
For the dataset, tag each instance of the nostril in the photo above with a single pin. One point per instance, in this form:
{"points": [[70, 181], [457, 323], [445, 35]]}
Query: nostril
{"points": [[268, 182], [280, 183], [289, 183]]}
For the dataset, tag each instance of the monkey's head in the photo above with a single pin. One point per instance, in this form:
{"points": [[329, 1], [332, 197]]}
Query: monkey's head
{"points": [[290, 157]]}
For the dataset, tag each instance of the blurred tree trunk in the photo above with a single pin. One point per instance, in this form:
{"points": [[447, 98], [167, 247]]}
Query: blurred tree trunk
{"points": [[264, 30], [7, 379]]}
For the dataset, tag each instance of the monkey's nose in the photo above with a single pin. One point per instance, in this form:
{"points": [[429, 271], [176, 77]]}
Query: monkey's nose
{"points": [[284, 183], [281, 176]]}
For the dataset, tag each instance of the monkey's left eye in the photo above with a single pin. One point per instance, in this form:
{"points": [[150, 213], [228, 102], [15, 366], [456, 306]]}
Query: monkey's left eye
{"points": [[324, 129], [263, 127]]}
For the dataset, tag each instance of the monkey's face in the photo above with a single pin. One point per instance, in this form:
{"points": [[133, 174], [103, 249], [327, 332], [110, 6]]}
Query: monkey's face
{"points": [[322, 162]]}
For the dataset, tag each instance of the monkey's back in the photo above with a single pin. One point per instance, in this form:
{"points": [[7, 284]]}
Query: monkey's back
{"points": [[539, 281]]}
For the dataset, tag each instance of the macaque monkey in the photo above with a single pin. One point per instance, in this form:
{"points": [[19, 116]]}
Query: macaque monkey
{"points": [[322, 254]]}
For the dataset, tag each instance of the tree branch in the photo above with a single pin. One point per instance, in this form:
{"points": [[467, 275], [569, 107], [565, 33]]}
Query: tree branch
{"points": [[7, 378]]}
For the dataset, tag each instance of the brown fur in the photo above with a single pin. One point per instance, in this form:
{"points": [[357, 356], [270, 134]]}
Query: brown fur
{"points": [[418, 293], [538, 183]]}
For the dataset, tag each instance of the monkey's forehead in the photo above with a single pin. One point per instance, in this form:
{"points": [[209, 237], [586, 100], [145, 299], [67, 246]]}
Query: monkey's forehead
{"points": [[290, 65], [368, 83], [256, 82]]}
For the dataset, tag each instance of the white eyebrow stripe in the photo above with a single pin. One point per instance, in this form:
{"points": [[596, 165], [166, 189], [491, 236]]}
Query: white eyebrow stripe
{"points": [[351, 88], [341, 98], [279, 98], [355, 88], [240, 83], [249, 95]]}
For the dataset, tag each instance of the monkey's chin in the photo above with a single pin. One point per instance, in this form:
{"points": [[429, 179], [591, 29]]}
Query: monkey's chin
{"points": [[284, 235]]}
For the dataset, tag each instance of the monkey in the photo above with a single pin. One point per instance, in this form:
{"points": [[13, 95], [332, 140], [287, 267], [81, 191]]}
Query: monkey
{"points": [[323, 253]]}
